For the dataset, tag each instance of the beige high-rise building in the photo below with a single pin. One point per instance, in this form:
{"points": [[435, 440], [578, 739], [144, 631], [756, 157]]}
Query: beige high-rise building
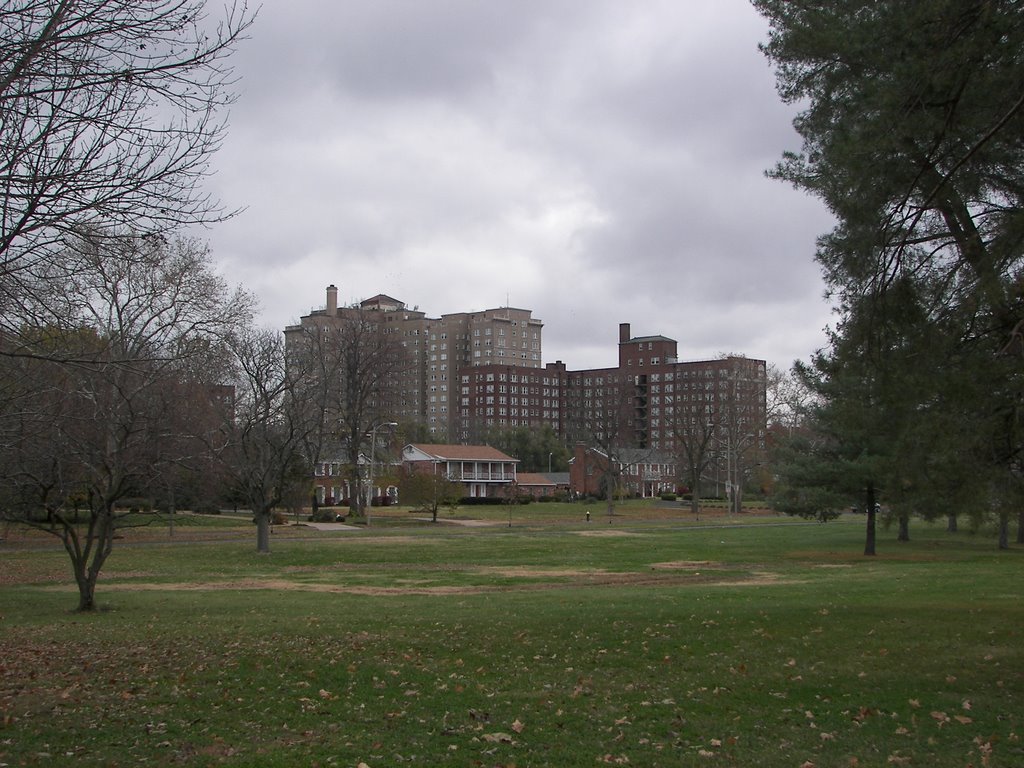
{"points": [[427, 389]]}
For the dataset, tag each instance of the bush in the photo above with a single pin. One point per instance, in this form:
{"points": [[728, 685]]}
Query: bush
{"points": [[485, 501], [480, 501], [668, 496]]}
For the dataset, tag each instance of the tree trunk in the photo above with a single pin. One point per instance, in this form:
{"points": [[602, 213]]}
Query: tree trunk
{"points": [[869, 539], [904, 530], [263, 531], [86, 594], [1004, 530], [951, 526], [1020, 527], [88, 562]]}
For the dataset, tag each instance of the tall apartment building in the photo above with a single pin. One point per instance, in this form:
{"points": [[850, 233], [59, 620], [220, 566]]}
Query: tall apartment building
{"points": [[438, 350], [498, 397]]}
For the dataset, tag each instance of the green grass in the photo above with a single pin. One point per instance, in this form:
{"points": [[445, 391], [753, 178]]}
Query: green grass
{"points": [[653, 643]]}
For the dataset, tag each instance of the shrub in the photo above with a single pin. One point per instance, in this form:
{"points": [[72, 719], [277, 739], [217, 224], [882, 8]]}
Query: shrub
{"points": [[668, 496]]}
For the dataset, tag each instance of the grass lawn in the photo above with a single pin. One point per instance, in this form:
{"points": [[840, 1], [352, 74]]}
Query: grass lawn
{"points": [[649, 640]]}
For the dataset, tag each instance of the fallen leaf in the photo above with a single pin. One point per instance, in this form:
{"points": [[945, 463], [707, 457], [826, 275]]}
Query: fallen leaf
{"points": [[497, 738], [517, 726]]}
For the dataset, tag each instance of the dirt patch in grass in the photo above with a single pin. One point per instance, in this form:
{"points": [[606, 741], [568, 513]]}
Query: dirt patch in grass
{"points": [[757, 579], [522, 571], [605, 532], [693, 574], [686, 565]]}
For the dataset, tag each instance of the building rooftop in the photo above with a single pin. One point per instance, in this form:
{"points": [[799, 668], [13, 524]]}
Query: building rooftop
{"points": [[456, 452]]}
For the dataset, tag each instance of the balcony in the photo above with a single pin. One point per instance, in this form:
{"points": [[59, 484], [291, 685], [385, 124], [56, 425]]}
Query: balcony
{"points": [[485, 476]]}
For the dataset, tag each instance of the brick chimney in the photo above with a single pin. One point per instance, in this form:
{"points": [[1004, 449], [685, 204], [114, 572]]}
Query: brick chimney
{"points": [[623, 333], [332, 300]]}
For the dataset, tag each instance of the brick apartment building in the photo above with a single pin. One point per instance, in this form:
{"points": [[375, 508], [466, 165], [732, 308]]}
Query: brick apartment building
{"points": [[467, 373]]}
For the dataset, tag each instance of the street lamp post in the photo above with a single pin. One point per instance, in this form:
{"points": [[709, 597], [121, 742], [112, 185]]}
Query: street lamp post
{"points": [[369, 477]]}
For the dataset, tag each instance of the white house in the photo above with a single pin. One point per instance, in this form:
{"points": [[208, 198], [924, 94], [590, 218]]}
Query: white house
{"points": [[482, 470]]}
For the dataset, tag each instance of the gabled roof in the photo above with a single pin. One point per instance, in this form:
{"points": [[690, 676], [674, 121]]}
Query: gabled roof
{"points": [[534, 479], [435, 452]]}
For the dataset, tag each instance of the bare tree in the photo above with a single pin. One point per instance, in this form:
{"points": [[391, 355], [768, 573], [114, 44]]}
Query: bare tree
{"points": [[693, 436], [101, 399], [429, 491], [604, 419], [787, 399], [268, 425], [109, 114], [351, 367]]}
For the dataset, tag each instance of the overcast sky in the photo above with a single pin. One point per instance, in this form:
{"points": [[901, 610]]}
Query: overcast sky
{"points": [[594, 161]]}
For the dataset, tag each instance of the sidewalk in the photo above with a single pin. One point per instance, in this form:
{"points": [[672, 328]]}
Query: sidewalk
{"points": [[332, 526]]}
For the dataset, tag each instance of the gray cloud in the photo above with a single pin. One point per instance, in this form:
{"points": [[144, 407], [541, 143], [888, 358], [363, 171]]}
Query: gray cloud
{"points": [[596, 162]]}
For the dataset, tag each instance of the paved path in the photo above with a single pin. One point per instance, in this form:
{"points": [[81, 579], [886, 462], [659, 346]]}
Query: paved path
{"points": [[332, 526]]}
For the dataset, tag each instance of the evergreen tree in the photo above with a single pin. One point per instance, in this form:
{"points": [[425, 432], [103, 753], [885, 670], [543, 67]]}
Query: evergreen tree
{"points": [[912, 135]]}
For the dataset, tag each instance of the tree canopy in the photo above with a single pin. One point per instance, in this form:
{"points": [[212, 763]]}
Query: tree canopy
{"points": [[111, 111], [912, 118]]}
